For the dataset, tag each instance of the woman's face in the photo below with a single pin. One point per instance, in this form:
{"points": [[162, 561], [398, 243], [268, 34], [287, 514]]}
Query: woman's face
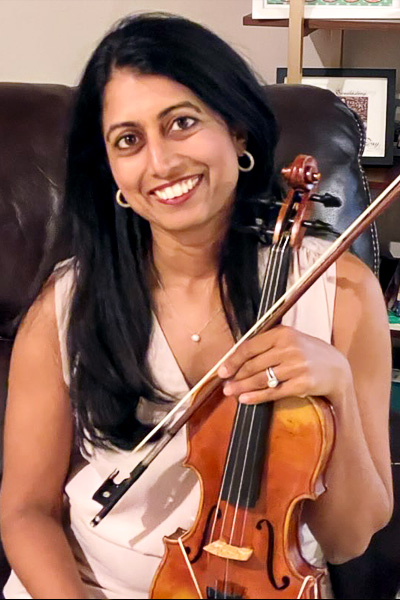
{"points": [[173, 158]]}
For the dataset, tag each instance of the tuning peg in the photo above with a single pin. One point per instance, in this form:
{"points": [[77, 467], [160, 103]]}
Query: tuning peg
{"points": [[259, 229], [267, 200], [320, 226], [327, 200]]}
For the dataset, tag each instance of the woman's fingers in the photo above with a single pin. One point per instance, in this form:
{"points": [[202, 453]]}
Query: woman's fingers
{"points": [[301, 364], [299, 379], [249, 350]]}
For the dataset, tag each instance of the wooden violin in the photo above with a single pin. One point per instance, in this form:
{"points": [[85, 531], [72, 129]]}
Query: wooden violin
{"points": [[256, 465], [245, 541]]}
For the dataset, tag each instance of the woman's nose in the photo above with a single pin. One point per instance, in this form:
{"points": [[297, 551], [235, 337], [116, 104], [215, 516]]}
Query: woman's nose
{"points": [[162, 159]]}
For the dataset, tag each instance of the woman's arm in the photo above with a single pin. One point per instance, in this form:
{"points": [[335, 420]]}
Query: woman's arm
{"points": [[359, 481], [37, 448], [354, 374]]}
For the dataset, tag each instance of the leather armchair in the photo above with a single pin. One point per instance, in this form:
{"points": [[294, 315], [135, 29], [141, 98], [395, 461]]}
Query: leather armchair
{"points": [[33, 126]]}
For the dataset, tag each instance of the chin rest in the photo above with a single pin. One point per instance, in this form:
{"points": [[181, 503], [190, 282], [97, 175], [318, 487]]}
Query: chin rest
{"points": [[33, 125]]}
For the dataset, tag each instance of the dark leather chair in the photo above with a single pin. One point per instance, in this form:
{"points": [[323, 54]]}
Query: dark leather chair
{"points": [[33, 126]]}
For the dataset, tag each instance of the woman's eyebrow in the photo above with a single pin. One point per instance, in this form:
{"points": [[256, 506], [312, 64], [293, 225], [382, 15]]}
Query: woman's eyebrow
{"points": [[161, 115], [186, 104]]}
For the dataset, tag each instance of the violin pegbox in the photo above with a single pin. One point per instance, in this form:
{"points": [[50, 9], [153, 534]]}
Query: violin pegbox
{"points": [[302, 177]]}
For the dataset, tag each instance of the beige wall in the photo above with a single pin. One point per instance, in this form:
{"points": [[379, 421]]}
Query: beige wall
{"points": [[372, 49], [50, 40]]}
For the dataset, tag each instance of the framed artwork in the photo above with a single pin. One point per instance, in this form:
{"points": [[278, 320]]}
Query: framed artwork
{"points": [[370, 93], [329, 9]]}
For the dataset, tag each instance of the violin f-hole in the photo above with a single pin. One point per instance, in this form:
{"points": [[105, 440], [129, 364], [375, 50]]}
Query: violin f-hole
{"points": [[270, 557], [206, 533]]}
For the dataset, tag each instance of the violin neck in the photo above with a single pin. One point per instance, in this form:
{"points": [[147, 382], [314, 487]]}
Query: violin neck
{"points": [[276, 275]]}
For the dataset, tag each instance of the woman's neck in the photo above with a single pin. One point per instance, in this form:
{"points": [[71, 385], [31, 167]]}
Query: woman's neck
{"points": [[181, 259]]}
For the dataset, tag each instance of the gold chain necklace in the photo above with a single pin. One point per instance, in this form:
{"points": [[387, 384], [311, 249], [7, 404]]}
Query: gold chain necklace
{"points": [[195, 337]]}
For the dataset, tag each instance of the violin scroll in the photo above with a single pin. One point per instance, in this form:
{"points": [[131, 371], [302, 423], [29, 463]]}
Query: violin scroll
{"points": [[302, 176]]}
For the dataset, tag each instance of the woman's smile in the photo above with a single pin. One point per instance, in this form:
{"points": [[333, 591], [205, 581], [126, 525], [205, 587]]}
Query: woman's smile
{"points": [[177, 192]]}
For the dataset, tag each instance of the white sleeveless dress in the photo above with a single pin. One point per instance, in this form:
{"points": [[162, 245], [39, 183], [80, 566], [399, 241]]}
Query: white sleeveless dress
{"points": [[119, 557]]}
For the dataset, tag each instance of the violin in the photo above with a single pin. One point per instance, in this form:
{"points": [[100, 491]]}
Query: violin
{"points": [[256, 463], [245, 541]]}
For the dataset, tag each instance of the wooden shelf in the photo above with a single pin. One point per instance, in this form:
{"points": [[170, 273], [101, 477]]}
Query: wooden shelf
{"points": [[311, 25]]}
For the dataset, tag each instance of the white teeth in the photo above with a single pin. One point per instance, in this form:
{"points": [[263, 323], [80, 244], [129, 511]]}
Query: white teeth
{"points": [[178, 189]]}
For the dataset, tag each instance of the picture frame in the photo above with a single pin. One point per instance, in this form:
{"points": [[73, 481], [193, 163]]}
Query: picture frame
{"points": [[329, 9], [370, 93], [396, 146]]}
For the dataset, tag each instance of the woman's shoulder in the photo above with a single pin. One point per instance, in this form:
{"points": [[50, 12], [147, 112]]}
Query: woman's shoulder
{"points": [[53, 293], [46, 320], [358, 287], [349, 266], [38, 327]]}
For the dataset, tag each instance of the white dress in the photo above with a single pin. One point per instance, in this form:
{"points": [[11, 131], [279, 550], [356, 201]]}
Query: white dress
{"points": [[119, 557]]}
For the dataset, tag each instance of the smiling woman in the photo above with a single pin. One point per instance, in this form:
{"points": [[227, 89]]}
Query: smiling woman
{"points": [[163, 279]]}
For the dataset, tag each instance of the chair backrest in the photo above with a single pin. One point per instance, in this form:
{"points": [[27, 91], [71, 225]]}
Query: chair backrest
{"points": [[33, 127], [316, 122]]}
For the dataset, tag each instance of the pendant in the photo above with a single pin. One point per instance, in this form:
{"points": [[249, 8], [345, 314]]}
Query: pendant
{"points": [[195, 337]]}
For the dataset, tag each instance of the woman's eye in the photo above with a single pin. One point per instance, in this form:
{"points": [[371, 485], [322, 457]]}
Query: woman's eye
{"points": [[182, 123], [126, 141]]}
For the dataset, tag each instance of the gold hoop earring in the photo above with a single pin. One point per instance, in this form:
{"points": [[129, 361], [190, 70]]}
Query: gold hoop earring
{"points": [[251, 162], [121, 202]]}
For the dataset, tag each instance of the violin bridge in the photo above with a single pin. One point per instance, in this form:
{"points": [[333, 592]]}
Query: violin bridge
{"points": [[224, 550]]}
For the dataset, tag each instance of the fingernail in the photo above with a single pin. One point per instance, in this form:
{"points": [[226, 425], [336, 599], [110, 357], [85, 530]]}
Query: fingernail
{"points": [[227, 389], [223, 372], [244, 398]]}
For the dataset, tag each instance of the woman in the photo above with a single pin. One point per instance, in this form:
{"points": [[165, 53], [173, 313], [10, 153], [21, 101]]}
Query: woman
{"points": [[171, 138]]}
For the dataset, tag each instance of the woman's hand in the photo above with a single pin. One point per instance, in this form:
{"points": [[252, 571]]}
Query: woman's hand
{"points": [[304, 365]]}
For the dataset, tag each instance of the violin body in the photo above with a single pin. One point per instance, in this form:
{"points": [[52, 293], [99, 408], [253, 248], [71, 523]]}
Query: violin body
{"points": [[256, 466], [299, 445]]}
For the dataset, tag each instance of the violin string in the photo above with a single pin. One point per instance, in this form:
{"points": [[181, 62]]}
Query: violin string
{"points": [[272, 276], [278, 266], [272, 265], [212, 532], [189, 566], [243, 408], [243, 411], [272, 272]]}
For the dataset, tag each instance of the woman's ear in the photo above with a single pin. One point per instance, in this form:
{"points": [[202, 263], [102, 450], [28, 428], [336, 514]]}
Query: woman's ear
{"points": [[240, 140], [240, 146]]}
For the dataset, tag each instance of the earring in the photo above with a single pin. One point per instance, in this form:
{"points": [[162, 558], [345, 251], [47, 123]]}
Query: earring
{"points": [[121, 201], [251, 162]]}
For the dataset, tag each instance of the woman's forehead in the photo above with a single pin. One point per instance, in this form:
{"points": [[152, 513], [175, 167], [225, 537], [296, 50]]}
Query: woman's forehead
{"points": [[128, 94]]}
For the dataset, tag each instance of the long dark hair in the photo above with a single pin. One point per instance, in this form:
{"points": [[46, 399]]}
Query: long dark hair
{"points": [[111, 320]]}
